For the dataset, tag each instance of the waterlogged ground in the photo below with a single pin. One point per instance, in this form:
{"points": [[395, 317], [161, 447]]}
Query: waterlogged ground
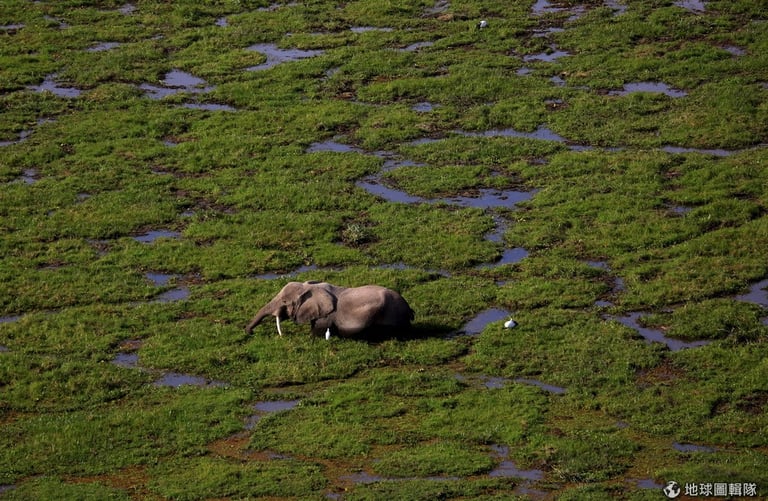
{"points": [[596, 171]]}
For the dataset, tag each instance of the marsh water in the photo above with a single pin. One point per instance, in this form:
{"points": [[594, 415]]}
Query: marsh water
{"points": [[151, 236], [654, 335], [480, 321], [276, 55], [268, 407], [51, 85]]}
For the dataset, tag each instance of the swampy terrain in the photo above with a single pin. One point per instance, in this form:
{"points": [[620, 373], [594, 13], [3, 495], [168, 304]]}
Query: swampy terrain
{"points": [[595, 170]]}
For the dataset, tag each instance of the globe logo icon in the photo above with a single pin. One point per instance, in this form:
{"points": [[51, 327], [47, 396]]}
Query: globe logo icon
{"points": [[672, 489]]}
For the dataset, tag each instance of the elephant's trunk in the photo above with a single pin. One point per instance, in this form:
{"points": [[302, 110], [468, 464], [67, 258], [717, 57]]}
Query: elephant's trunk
{"points": [[268, 309]]}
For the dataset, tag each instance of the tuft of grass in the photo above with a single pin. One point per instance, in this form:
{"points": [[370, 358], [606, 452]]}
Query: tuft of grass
{"points": [[438, 459], [216, 477]]}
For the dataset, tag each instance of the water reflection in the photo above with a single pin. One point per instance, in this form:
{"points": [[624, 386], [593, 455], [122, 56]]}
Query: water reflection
{"points": [[103, 46], [478, 324], [267, 407], [49, 85], [209, 107], [153, 235], [714, 152], [758, 294], [276, 55], [507, 467], [692, 5], [692, 448], [423, 107], [174, 82], [175, 380], [557, 390], [548, 56], [652, 87]]}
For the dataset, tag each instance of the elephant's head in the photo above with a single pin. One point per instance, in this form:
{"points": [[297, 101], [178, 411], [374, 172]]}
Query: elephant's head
{"points": [[302, 302]]}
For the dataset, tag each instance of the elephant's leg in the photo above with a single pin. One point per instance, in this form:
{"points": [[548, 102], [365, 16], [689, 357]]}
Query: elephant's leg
{"points": [[323, 327]]}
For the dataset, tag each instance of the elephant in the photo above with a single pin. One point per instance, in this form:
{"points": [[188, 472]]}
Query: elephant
{"points": [[345, 311]]}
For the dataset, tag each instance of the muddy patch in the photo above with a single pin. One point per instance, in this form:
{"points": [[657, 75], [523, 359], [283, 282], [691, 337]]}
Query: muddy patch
{"points": [[754, 404], [663, 374]]}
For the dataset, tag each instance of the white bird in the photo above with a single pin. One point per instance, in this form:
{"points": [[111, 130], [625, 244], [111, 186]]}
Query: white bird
{"points": [[509, 324], [482, 24], [327, 333]]}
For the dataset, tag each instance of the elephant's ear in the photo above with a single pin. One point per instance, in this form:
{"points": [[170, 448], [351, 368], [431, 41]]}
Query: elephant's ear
{"points": [[313, 304]]}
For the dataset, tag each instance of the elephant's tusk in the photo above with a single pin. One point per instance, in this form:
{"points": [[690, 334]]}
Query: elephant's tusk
{"points": [[277, 320], [327, 333]]}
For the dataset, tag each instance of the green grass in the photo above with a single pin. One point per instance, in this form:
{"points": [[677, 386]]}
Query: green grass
{"points": [[617, 222]]}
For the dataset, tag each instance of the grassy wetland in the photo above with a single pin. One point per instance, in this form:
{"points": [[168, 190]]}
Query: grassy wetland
{"points": [[595, 170]]}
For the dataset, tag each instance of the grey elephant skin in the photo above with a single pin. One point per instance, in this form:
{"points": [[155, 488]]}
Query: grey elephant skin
{"points": [[342, 311]]}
